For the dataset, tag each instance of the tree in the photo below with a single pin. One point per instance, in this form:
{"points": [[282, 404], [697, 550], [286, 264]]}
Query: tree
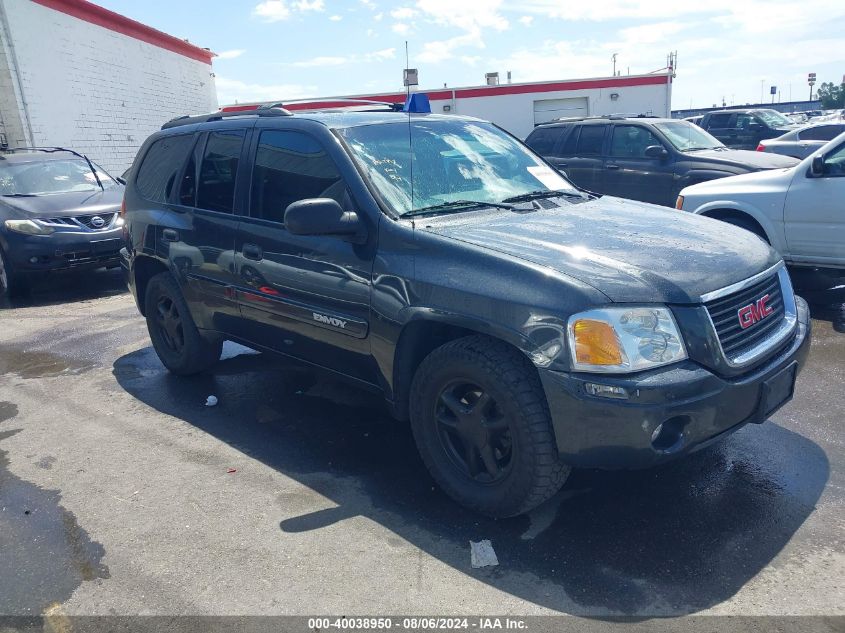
{"points": [[831, 96]]}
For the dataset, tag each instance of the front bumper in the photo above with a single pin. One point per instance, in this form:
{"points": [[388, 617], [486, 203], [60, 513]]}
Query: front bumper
{"points": [[63, 250], [695, 406]]}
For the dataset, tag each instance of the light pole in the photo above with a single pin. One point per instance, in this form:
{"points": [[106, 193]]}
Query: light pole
{"points": [[613, 58]]}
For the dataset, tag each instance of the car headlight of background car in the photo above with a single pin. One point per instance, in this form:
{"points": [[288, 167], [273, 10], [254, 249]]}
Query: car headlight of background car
{"points": [[624, 339], [28, 227]]}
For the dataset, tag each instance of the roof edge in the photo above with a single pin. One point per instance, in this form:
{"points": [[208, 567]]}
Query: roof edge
{"points": [[100, 16]]}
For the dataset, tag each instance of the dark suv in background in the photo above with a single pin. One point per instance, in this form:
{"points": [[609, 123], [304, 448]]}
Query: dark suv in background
{"points": [[745, 128], [647, 159], [522, 325]]}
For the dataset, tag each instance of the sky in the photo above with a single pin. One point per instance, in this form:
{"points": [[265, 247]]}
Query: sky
{"points": [[290, 49]]}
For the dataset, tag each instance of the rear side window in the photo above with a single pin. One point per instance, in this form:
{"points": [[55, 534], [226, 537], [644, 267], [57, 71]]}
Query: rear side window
{"points": [[291, 166], [591, 140], [822, 132], [219, 170], [719, 120], [162, 164], [571, 143], [544, 139]]}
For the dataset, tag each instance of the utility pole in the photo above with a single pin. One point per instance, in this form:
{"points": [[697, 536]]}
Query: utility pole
{"points": [[613, 58], [762, 84]]}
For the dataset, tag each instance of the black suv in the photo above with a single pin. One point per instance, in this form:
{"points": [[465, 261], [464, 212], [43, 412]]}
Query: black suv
{"points": [[522, 325], [745, 128], [58, 212], [646, 159]]}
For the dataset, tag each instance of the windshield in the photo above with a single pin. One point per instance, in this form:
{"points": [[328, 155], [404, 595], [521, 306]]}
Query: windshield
{"points": [[772, 118], [686, 136], [452, 160], [44, 177]]}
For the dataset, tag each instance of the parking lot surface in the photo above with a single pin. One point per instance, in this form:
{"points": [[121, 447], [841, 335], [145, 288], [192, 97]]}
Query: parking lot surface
{"points": [[122, 493]]}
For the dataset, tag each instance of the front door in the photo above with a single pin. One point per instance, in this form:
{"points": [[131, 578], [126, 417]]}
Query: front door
{"points": [[814, 213], [629, 173], [305, 296]]}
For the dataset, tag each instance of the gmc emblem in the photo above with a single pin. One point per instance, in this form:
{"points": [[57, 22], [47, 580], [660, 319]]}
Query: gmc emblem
{"points": [[754, 312]]}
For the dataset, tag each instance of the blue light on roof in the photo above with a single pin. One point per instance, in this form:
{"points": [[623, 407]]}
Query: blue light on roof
{"points": [[417, 102]]}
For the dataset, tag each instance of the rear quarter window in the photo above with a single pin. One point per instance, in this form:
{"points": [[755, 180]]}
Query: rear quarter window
{"points": [[543, 140], [161, 165]]}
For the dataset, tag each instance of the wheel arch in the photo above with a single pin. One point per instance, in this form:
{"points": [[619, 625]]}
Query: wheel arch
{"points": [[724, 210], [145, 268], [426, 330]]}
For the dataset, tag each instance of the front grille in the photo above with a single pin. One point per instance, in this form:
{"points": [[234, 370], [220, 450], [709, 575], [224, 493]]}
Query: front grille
{"points": [[83, 221], [724, 312]]}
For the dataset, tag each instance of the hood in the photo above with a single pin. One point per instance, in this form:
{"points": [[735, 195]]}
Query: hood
{"points": [[630, 251], [67, 204], [773, 179], [744, 158]]}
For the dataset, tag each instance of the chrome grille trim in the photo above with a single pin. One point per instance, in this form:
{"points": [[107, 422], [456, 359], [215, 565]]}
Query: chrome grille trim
{"points": [[778, 336]]}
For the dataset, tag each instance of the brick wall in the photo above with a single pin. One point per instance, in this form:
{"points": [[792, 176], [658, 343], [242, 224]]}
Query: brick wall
{"points": [[96, 90]]}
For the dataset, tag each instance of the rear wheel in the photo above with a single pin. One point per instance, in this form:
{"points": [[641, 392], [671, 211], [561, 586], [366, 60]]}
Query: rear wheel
{"points": [[483, 429], [176, 339], [12, 284]]}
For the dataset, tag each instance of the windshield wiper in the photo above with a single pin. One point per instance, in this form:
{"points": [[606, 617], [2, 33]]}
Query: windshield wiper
{"points": [[543, 193], [456, 205], [93, 171], [18, 195]]}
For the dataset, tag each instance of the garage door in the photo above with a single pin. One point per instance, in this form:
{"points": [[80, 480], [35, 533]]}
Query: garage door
{"points": [[547, 109]]}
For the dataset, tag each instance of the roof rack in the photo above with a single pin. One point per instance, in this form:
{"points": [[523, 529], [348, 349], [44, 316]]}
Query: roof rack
{"points": [[603, 117], [273, 110]]}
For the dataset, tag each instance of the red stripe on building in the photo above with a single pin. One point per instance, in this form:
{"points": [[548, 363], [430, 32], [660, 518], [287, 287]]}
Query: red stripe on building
{"points": [[480, 91], [112, 21]]}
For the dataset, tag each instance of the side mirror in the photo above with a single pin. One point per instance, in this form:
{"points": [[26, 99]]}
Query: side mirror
{"points": [[817, 166], [323, 216], [656, 151]]}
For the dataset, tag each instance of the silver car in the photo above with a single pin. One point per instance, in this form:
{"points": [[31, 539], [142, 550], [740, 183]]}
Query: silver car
{"points": [[804, 141]]}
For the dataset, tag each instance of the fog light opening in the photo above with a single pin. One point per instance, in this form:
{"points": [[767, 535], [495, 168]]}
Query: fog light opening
{"points": [[669, 436]]}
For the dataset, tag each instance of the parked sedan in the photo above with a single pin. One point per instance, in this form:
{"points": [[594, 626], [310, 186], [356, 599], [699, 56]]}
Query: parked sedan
{"points": [[801, 143], [58, 211]]}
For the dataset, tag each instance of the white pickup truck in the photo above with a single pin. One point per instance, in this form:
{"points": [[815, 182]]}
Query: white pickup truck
{"points": [[800, 210]]}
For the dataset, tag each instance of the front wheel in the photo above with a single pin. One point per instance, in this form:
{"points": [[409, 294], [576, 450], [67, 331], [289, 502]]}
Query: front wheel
{"points": [[12, 284], [483, 429], [176, 340]]}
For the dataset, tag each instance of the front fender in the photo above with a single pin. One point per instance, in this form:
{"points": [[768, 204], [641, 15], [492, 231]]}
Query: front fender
{"points": [[771, 229]]}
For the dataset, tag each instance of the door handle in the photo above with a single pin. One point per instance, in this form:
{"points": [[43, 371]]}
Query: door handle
{"points": [[612, 166], [560, 164], [253, 252], [169, 235]]}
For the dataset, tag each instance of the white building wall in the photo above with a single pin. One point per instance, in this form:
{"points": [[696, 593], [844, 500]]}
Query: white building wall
{"points": [[515, 112], [95, 90]]}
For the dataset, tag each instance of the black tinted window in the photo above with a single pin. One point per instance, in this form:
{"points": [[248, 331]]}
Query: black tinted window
{"points": [[219, 170], [631, 141], [571, 142], [591, 139], [719, 120], [188, 186], [543, 140], [291, 166], [822, 132], [161, 165]]}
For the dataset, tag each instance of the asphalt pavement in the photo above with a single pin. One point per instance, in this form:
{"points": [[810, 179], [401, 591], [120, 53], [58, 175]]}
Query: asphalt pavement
{"points": [[121, 493]]}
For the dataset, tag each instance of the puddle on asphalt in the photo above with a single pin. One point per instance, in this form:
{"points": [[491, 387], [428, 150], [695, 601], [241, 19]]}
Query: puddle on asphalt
{"points": [[44, 553], [40, 364]]}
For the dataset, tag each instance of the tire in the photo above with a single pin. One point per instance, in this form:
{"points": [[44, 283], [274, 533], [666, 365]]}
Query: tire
{"points": [[12, 284], [748, 225], [482, 426], [176, 340]]}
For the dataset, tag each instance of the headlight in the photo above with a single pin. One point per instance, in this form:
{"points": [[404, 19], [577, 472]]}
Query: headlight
{"points": [[620, 340], [29, 227]]}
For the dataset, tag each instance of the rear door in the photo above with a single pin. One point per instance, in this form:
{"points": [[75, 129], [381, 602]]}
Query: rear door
{"points": [[814, 213], [581, 156], [304, 296], [722, 125], [629, 173]]}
